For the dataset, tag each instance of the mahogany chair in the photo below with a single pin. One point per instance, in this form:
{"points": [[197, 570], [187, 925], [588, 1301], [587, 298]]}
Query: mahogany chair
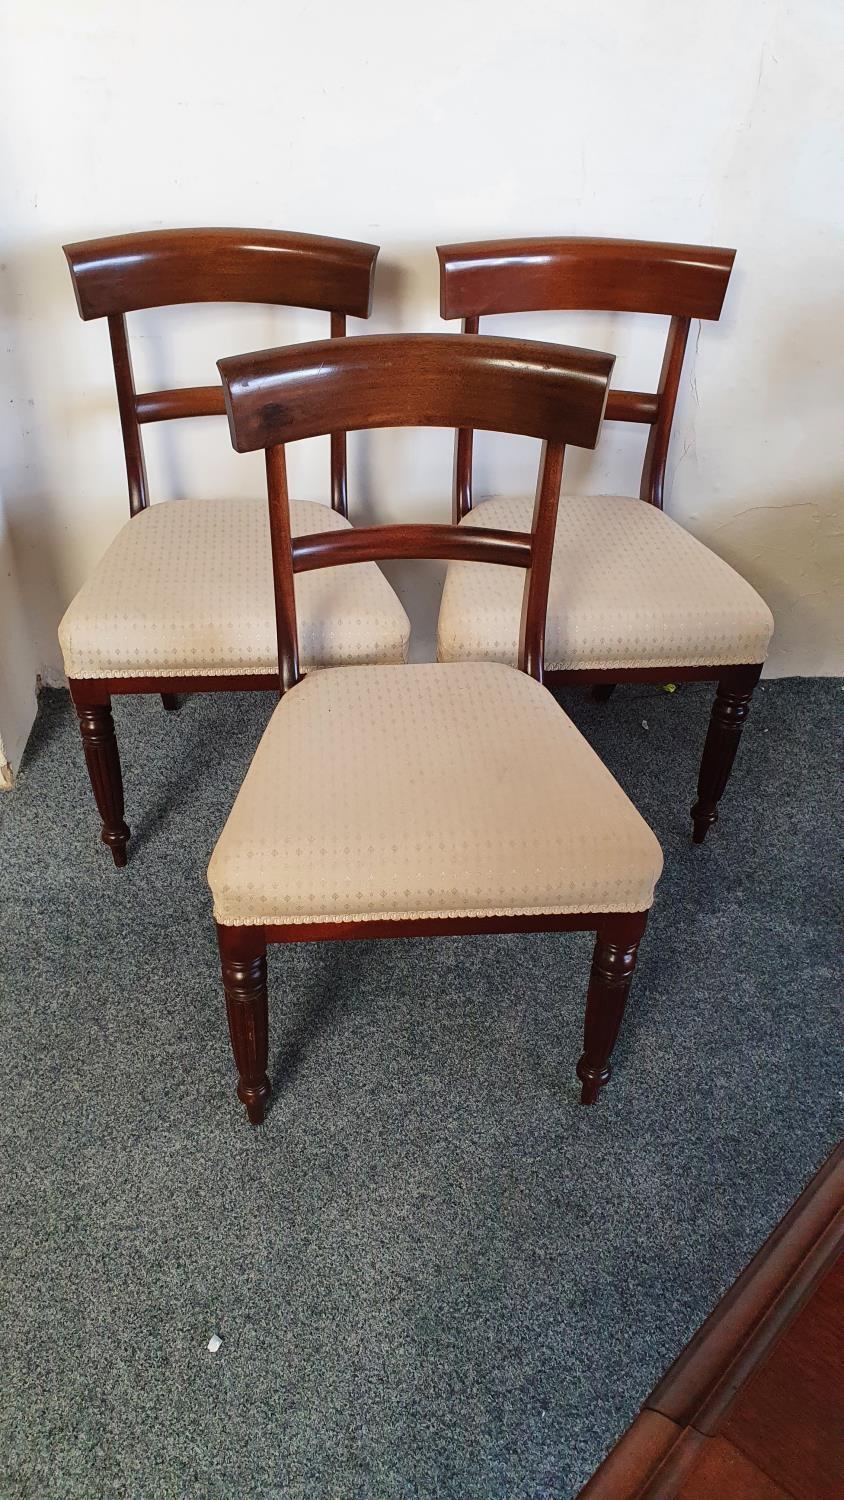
{"points": [[385, 840], [632, 597], [182, 601]]}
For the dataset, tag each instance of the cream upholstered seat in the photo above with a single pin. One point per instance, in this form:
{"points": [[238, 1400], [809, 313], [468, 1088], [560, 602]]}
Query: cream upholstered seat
{"points": [[461, 790], [629, 588], [186, 588]]}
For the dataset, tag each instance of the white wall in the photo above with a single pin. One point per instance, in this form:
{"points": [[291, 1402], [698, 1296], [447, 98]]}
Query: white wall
{"points": [[453, 119]]}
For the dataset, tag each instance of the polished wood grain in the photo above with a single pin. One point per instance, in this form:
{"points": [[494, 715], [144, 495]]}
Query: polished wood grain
{"points": [[124, 273], [563, 274], [622, 406], [424, 380], [487, 277], [322, 932], [788, 1419], [464, 441], [750, 1318], [281, 541], [284, 395], [339, 467], [243, 960], [333, 549], [712, 1468], [188, 401], [136, 473], [264, 681], [85, 689], [652, 487], [543, 529], [632, 276], [754, 1406], [102, 758], [161, 267], [613, 963], [546, 391], [633, 406], [727, 720]]}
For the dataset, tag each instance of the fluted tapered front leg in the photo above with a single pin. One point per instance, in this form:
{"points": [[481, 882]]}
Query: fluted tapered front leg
{"points": [[102, 758], [729, 715], [613, 962], [243, 956]]}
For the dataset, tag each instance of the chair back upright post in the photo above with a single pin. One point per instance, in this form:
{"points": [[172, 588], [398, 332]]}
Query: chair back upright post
{"points": [[546, 391], [490, 277], [161, 268]]}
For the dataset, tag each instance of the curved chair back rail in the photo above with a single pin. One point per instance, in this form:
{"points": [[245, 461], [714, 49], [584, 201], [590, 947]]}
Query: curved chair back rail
{"points": [[489, 277], [417, 380], [599, 275], [160, 268], [540, 390]]}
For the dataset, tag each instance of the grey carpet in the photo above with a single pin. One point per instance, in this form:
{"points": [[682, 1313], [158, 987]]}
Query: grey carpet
{"points": [[433, 1273]]}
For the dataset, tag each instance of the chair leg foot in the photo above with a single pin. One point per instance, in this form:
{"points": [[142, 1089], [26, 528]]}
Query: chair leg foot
{"points": [[117, 842], [729, 715], [256, 1105], [243, 957], [171, 702], [102, 758], [591, 1089], [613, 962], [702, 821], [602, 692]]}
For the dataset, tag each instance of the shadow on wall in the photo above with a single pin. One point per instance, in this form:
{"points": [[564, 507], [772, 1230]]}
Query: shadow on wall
{"points": [[64, 473], [17, 661], [33, 523], [770, 495], [792, 551]]}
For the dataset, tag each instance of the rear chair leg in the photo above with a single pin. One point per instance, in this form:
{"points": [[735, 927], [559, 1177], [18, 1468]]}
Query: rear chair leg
{"points": [[729, 713], [171, 702], [96, 726], [602, 692], [243, 957], [613, 962]]}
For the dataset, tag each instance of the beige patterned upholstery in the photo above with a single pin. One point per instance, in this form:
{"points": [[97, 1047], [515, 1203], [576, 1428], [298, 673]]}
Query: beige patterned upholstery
{"points": [[427, 790], [186, 589], [629, 588]]}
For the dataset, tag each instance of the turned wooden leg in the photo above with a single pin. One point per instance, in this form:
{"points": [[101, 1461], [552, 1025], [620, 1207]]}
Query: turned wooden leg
{"points": [[243, 956], [102, 758], [171, 702], [729, 712], [613, 962], [602, 692]]}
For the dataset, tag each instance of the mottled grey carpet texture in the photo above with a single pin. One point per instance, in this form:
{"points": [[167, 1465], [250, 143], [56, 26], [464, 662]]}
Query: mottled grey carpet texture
{"points": [[433, 1273]]}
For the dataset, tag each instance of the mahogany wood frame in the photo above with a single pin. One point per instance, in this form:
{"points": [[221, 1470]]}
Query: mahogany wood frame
{"points": [[688, 1410], [556, 394], [160, 268], [491, 277]]}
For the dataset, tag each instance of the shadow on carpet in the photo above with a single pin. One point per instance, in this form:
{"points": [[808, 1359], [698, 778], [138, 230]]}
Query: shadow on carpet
{"points": [[432, 1272]]}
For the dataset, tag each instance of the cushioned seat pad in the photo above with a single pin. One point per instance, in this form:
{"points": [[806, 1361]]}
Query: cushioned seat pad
{"points": [[186, 588], [427, 790], [629, 588]]}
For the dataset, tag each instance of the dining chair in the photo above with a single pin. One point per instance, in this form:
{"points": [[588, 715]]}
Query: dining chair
{"points": [[182, 601], [633, 597], [432, 799]]}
